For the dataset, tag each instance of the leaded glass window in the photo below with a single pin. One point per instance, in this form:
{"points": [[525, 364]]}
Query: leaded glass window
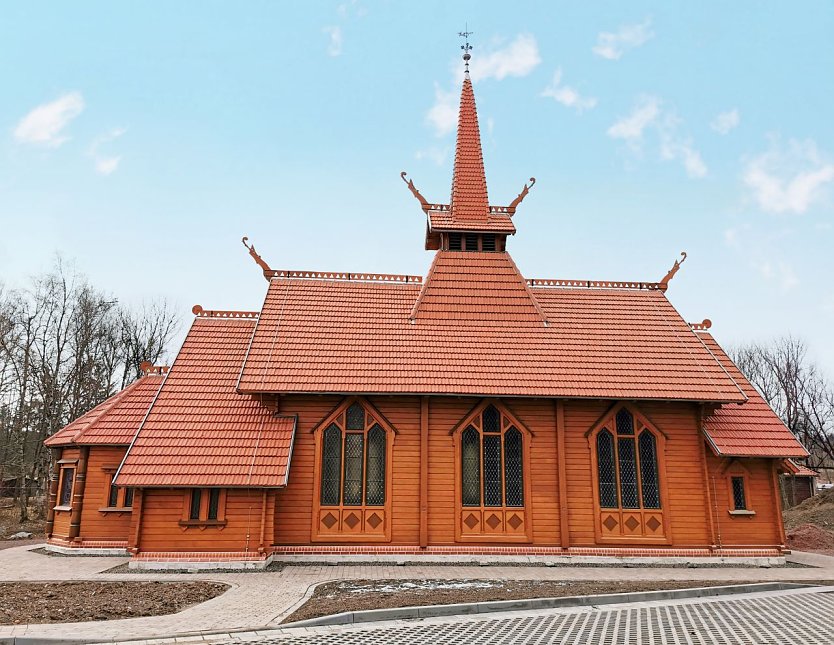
{"points": [[648, 470], [492, 461], [605, 467], [196, 498], [739, 499], [514, 468], [331, 466], [354, 459], [627, 464], [66, 486], [214, 503], [354, 453], [375, 487], [470, 448]]}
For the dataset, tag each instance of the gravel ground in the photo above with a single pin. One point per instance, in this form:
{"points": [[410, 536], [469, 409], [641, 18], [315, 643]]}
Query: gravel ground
{"points": [[359, 595], [65, 602]]}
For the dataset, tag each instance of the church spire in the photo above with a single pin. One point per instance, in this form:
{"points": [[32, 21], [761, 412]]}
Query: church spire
{"points": [[469, 190]]}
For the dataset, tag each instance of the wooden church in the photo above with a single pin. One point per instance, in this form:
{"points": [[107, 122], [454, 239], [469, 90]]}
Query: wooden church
{"points": [[470, 412]]}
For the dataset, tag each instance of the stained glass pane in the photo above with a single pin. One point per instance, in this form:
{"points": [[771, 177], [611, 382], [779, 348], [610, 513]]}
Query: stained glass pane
{"points": [[628, 473], [196, 498], [513, 468], [331, 466], [605, 467], [66, 486], [470, 451], [739, 501], [492, 420], [128, 498], [375, 475], [492, 470], [625, 422], [214, 503], [113, 495], [648, 470], [354, 453], [355, 417]]}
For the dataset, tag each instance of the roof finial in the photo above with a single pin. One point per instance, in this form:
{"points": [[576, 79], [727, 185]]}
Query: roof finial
{"points": [[466, 47], [664, 283]]}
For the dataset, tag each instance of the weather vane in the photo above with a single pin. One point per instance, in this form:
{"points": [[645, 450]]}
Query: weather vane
{"points": [[466, 47]]}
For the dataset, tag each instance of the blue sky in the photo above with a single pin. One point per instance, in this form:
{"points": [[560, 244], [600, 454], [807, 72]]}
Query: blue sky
{"points": [[142, 141]]}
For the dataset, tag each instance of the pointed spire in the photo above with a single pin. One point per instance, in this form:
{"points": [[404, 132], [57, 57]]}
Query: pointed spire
{"points": [[469, 189]]}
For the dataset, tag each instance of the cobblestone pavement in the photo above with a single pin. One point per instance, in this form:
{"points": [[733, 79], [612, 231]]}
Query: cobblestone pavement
{"points": [[258, 600], [778, 618]]}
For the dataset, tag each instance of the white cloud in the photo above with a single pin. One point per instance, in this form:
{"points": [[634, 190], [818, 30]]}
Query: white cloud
{"points": [[612, 45], [788, 179], [673, 147], [726, 121], [630, 128], [106, 164], [436, 154], [518, 58], [568, 96], [334, 45], [649, 115], [779, 272], [443, 115], [44, 124]]}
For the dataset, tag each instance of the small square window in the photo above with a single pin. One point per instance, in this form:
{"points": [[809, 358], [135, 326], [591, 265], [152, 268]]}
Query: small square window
{"points": [[739, 497]]}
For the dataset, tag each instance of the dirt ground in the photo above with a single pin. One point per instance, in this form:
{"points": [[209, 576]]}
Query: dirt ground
{"points": [[9, 520], [65, 602], [810, 525], [359, 595]]}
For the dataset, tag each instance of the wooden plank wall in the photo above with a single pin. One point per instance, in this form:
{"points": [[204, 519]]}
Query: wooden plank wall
{"points": [[96, 525], [62, 518], [163, 509]]}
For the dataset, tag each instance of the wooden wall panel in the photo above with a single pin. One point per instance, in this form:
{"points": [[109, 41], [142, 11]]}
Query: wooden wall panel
{"points": [[62, 518], [163, 509], [97, 525], [759, 529]]}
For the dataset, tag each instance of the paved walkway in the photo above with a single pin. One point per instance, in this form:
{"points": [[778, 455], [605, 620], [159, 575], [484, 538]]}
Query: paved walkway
{"points": [[803, 617], [264, 599]]}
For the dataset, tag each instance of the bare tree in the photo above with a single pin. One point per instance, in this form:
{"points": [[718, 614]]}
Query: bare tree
{"points": [[64, 348], [796, 389]]}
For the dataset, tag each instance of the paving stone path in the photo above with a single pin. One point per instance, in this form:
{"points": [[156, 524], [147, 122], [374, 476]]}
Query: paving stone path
{"points": [[777, 618], [257, 600]]}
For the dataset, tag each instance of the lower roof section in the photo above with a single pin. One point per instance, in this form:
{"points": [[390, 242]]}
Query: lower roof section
{"points": [[200, 431], [749, 430]]}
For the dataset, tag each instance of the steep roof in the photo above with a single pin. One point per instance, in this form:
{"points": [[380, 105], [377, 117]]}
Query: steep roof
{"points": [[478, 328], [749, 430], [469, 190], [116, 420], [200, 432]]}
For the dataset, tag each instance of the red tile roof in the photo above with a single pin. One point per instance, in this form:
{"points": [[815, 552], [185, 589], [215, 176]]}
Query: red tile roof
{"points": [[200, 432], [116, 420], [477, 328], [749, 430], [799, 470], [494, 222], [469, 189]]}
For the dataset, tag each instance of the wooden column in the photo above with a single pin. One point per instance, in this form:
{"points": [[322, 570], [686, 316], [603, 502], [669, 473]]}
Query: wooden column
{"points": [[261, 545], [78, 494], [709, 503], [424, 472], [778, 495], [564, 523], [138, 504], [52, 497]]}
